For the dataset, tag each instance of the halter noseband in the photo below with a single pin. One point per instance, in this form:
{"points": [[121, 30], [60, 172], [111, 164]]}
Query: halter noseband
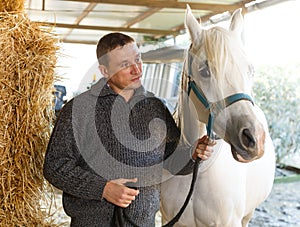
{"points": [[213, 107]]}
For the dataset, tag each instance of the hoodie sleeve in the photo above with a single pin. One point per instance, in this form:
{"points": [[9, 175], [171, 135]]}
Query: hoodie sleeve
{"points": [[64, 167]]}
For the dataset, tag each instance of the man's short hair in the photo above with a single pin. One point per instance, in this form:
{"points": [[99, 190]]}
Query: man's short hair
{"points": [[109, 42]]}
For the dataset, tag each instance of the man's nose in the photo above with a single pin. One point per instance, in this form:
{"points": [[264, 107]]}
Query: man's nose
{"points": [[135, 68]]}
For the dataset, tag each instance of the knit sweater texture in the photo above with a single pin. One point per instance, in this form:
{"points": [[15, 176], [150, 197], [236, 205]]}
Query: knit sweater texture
{"points": [[98, 137]]}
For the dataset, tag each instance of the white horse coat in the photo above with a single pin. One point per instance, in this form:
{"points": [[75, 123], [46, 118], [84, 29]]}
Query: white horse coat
{"points": [[227, 190]]}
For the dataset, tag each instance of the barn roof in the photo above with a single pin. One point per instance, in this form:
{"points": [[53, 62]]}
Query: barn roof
{"points": [[84, 21]]}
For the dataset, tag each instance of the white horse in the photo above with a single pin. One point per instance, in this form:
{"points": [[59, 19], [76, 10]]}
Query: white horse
{"points": [[239, 175]]}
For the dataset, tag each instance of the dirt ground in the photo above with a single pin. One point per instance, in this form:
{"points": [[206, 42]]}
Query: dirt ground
{"points": [[281, 209]]}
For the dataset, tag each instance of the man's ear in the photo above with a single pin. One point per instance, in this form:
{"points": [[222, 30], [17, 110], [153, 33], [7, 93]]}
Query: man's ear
{"points": [[103, 71]]}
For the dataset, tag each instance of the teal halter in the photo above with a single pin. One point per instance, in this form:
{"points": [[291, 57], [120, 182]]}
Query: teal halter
{"points": [[215, 107]]}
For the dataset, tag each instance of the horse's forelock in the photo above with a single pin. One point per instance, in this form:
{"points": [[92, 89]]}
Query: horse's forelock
{"points": [[220, 51], [216, 48]]}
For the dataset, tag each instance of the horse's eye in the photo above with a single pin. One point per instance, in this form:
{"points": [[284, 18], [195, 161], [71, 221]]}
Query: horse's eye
{"points": [[204, 70]]}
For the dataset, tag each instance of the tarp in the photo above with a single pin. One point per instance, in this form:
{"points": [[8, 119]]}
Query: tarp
{"points": [[164, 55]]}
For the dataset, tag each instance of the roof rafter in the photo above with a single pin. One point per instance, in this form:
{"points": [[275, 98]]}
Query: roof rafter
{"points": [[144, 15], [88, 9], [116, 29], [169, 4]]}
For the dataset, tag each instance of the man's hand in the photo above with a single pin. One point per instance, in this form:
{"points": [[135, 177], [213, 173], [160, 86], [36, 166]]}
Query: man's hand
{"points": [[117, 193], [203, 148]]}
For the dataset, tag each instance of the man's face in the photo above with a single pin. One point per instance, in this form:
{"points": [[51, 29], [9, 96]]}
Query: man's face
{"points": [[125, 68]]}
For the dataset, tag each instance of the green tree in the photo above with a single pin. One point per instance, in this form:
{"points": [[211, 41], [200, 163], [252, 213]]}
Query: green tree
{"points": [[277, 92]]}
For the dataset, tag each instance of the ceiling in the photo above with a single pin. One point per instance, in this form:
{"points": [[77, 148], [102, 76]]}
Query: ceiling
{"points": [[85, 21]]}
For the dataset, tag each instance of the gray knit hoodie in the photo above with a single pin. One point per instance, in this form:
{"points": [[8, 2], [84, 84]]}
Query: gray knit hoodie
{"points": [[98, 137]]}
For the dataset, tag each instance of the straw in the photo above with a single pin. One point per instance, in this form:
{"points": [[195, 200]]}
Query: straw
{"points": [[11, 5], [27, 69]]}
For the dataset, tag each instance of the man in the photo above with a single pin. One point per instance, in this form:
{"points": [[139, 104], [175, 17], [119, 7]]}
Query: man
{"points": [[109, 144]]}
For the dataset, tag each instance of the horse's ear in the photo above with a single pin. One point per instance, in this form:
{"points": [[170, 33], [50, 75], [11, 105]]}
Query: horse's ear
{"points": [[192, 24], [237, 23]]}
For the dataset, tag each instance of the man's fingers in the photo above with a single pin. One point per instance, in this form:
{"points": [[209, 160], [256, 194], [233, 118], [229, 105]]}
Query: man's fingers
{"points": [[127, 199], [133, 180], [204, 148], [203, 157], [203, 139], [116, 191], [207, 141]]}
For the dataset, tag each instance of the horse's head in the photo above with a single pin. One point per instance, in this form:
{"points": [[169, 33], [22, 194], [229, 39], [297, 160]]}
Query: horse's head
{"points": [[221, 74]]}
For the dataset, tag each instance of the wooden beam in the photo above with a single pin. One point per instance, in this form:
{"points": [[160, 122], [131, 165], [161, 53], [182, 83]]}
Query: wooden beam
{"points": [[87, 10], [116, 29], [141, 17], [169, 4], [65, 40]]}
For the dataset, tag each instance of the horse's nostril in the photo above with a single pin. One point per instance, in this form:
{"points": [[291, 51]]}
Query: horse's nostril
{"points": [[248, 139]]}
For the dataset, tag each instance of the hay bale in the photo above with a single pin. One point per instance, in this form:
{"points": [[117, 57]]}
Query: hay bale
{"points": [[27, 63], [12, 6]]}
